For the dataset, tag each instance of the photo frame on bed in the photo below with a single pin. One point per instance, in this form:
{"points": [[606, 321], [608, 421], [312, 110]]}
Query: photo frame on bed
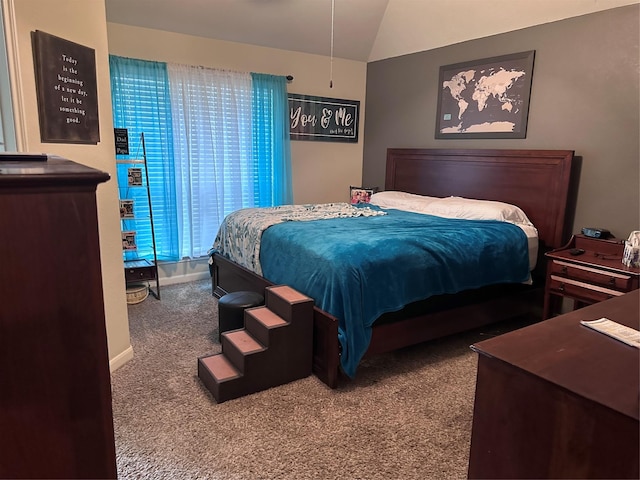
{"points": [[361, 194], [487, 98]]}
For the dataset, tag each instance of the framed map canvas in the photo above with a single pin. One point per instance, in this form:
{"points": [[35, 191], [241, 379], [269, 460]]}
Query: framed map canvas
{"points": [[486, 98]]}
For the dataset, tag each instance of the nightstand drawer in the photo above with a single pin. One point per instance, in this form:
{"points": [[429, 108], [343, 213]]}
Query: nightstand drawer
{"points": [[145, 273], [577, 289], [596, 275], [604, 278]]}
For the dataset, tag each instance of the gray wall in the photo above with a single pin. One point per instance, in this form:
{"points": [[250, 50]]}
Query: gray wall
{"points": [[584, 97]]}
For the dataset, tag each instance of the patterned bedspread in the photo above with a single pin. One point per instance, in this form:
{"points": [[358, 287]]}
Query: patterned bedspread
{"points": [[239, 235]]}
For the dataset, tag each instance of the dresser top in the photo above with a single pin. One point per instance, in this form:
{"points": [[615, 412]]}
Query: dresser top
{"points": [[22, 170], [574, 357]]}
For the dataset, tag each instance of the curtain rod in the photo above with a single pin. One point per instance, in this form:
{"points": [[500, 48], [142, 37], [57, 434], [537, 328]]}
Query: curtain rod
{"points": [[288, 77]]}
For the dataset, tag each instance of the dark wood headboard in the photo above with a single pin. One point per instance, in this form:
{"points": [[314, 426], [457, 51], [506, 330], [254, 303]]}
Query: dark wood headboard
{"points": [[537, 181]]}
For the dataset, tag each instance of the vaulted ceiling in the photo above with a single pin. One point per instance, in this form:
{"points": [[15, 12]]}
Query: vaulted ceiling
{"points": [[363, 30]]}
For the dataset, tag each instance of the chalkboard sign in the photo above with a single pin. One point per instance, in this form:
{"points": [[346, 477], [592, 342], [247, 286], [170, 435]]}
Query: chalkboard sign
{"points": [[66, 90], [323, 119]]}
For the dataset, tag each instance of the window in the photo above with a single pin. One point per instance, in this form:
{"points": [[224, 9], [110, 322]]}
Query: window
{"points": [[140, 101], [220, 145]]}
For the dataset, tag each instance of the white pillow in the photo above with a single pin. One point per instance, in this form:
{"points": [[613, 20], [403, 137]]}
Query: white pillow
{"points": [[402, 201], [458, 207]]}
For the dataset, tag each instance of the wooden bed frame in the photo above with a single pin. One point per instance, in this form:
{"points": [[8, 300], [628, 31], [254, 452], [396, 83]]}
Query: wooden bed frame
{"points": [[538, 181]]}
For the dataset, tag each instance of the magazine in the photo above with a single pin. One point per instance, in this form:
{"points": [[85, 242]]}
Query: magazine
{"points": [[615, 330], [129, 240], [134, 176], [126, 208]]}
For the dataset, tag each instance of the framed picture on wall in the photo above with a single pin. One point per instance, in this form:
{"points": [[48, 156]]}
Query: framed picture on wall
{"points": [[486, 98], [66, 90], [323, 119]]}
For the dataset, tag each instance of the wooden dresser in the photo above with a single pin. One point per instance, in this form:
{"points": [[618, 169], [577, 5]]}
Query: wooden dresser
{"points": [[594, 274], [55, 391], [559, 400]]}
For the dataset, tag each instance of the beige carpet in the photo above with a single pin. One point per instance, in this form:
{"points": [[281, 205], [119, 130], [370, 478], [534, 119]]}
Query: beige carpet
{"points": [[406, 416]]}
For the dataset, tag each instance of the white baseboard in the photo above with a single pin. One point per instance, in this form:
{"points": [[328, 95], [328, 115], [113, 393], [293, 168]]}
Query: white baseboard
{"points": [[189, 277], [119, 360]]}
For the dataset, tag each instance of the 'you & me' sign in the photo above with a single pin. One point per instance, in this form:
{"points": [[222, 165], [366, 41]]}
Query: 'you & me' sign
{"points": [[323, 119]]}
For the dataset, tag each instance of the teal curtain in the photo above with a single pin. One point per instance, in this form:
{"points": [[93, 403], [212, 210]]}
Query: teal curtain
{"points": [[141, 104], [191, 116], [271, 143]]}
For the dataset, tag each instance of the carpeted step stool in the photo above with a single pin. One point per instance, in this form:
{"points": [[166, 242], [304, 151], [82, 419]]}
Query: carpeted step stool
{"points": [[274, 347]]}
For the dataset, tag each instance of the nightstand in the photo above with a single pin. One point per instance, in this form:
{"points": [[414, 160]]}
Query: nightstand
{"points": [[593, 276], [136, 271]]}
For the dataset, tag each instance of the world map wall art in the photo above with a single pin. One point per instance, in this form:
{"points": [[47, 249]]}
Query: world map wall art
{"points": [[486, 98]]}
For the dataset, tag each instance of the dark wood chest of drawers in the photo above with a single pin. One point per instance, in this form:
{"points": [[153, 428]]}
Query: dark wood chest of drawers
{"points": [[595, 275], [559, 400], [55, 386]]}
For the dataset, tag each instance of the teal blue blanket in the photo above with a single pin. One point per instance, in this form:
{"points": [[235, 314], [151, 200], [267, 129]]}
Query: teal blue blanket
{"points": [[356, 269]]}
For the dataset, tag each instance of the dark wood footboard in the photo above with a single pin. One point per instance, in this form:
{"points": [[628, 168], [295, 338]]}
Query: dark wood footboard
{"points": [[326, 348]]}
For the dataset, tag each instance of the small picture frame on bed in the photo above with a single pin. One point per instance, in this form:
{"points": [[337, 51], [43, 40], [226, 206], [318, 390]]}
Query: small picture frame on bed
{"points": [[361, 194]]}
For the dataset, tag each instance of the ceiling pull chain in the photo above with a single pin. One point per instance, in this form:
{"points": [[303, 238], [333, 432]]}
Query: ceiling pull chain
{"points": [[333, 6]]}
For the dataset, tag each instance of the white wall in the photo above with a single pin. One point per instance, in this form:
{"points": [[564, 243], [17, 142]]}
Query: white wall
{"points": [[82, 22], [408, 26]]}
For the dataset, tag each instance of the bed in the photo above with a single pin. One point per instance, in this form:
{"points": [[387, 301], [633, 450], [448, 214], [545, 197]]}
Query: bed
{"points": [[537, 181]]}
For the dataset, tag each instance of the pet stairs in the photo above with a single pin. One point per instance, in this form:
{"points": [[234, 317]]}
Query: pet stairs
{"points": [[274, 347]]}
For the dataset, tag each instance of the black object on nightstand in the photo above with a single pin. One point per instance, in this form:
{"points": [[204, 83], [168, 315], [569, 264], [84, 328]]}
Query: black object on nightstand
{"points": [[596, 232]]}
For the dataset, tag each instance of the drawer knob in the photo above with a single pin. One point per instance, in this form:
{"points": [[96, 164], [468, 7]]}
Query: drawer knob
{"points": [[612, 280], [563, 269], [561, 287]]}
